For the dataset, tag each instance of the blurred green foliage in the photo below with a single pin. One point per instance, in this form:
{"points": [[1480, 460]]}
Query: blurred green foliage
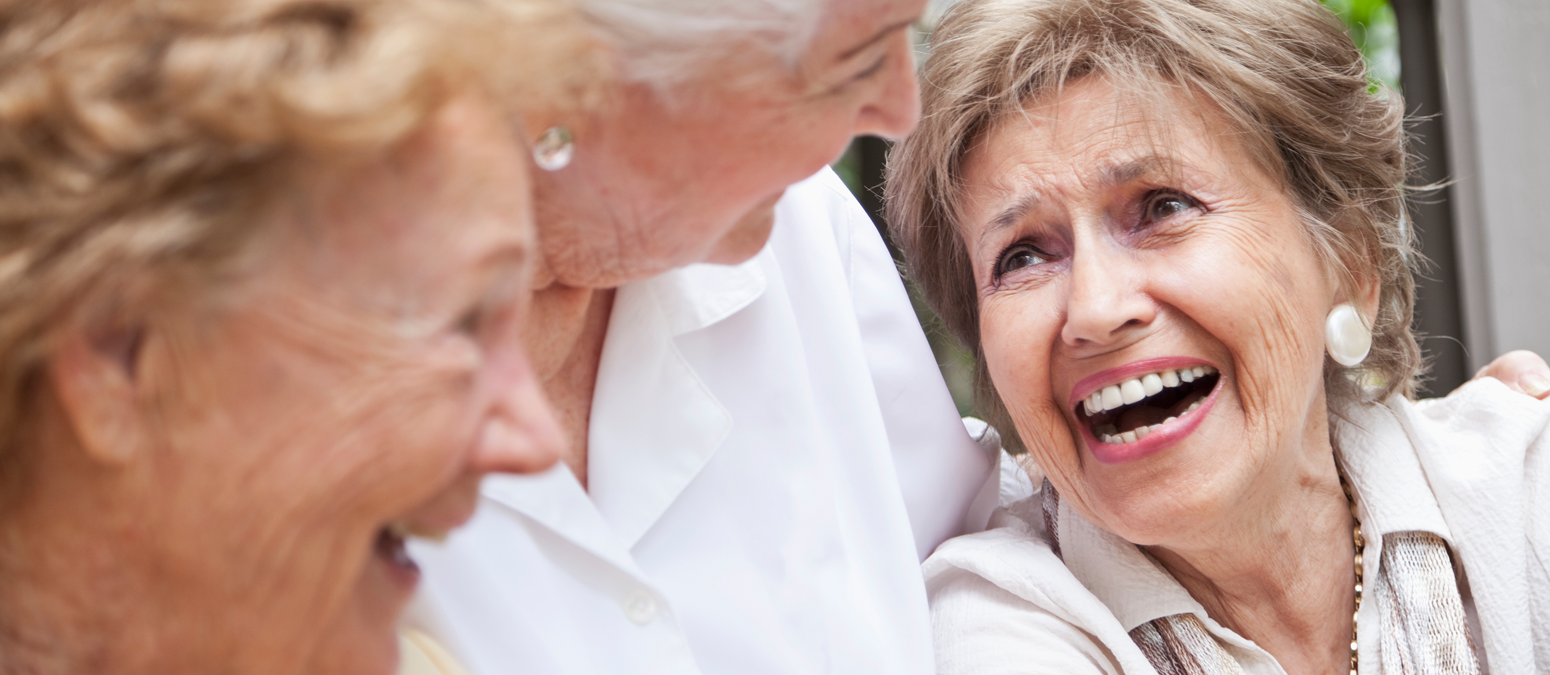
{"points": [[1372, 27]]}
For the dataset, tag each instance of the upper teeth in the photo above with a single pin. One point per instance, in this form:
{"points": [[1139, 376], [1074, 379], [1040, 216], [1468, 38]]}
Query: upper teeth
{"points": [[1132, 390]]}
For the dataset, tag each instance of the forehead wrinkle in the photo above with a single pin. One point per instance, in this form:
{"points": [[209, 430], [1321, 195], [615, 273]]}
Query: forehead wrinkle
{"points": [[1108, 175], [1108, 156]]}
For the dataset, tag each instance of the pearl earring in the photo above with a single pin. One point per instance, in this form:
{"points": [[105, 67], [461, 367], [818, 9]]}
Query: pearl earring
{"points": [[554, 148], [1346, 336]]}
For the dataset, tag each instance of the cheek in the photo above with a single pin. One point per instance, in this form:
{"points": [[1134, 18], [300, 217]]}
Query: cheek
{"points": [[1018, 334], [289, 463], [406, 434], [1267, 310]]}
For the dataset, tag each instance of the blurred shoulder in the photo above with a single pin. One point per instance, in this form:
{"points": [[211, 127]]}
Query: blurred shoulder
{"points": [[1483, 433], [1483, 408], [822, 206], [823, 190]]}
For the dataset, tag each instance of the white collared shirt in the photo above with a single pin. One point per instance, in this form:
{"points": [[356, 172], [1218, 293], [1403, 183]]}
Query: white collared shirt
{"points": [[1473, 468], [772, 452]]}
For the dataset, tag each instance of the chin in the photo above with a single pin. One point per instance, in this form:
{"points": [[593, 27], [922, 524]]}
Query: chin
{"points": [[368, 646], [365, 639]]}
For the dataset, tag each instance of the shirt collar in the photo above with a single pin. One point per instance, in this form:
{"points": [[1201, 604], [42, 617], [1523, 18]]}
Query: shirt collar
{"points": [[655, 424], [1127, 580], [1392, 493], [697, 296], [556, 500]]}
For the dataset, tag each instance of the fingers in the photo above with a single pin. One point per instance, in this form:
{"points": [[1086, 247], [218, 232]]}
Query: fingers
{"points": [[1522, 370]]}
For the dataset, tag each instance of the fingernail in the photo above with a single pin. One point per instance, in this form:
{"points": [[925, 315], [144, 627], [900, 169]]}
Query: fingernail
{"points": [[1534, 384]]}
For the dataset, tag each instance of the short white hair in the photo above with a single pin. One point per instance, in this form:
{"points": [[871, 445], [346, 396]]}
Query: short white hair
{"points": [[665, 42]]}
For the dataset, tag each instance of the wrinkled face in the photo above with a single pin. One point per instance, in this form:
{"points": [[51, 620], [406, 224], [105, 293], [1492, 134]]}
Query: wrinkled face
{"points": [[665, 179], [354, 392], [1151, 310]]}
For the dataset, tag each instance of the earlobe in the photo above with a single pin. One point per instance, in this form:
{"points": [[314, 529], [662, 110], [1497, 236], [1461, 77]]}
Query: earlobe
{"points": [[95, 380], [1349, 325], [1363, 297], [1368, 292]]}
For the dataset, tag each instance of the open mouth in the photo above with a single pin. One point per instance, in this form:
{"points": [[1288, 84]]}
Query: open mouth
{"points": [[1128, 411], [391, 549]]}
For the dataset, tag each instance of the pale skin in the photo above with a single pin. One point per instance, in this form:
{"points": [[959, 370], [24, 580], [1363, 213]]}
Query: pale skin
{"points": [[1104, 238], [214, 495], [658, 184]]}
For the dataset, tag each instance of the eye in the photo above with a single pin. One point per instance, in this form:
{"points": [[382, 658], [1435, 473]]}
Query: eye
{"points": [[1163, 205], [493, 309], [471, 323], [871, 70], [1019, 256]]}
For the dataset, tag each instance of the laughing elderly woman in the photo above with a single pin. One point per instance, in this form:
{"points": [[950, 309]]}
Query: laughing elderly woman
{"points": [[1173, 232], [261, 268]]}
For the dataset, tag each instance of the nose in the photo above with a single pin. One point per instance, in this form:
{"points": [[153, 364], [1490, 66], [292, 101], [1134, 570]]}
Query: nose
{"points": [[520, 434], [895, 110], [1107, 306]]}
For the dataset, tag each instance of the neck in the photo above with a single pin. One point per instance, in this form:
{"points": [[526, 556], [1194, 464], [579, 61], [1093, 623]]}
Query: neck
{"points": [[1285, 582], [566, 328], [64, 603]]}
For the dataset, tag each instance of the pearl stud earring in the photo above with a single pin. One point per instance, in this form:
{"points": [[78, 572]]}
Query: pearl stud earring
{"points": [[1346, 336], [554, 149]]}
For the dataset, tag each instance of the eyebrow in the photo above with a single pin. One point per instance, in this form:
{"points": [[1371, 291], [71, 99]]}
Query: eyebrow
{"points": [[1013, 214], [1111, 176], [885, 32], [1139, 167]]}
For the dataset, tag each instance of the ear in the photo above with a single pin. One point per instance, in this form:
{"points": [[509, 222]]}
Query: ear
{"points": [[1366, 295], [1363, 294], [95, 379]]}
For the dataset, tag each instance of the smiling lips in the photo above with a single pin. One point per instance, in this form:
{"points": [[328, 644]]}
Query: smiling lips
{"points": [[1131, 410]]}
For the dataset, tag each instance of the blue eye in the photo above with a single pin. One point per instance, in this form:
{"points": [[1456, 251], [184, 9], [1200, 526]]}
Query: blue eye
{"points": [[1017, 257]]}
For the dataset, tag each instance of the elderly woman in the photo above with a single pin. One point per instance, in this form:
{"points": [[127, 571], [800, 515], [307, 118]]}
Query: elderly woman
{"points": [[262, 268], [760, 452], [1173, 232]]}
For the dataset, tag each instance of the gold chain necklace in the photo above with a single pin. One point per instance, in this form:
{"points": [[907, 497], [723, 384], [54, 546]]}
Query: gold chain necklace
{"points": [[1356, 538]]}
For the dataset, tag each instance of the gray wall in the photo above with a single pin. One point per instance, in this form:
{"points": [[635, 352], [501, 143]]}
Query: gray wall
{"points": [[1496, 64]]}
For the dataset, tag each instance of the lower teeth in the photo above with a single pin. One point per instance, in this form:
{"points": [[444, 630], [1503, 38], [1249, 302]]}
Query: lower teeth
{"points": [[1110, 434]]}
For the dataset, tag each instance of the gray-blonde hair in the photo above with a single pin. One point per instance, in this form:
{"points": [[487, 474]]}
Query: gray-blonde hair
{"points": [[139, 140], [1282, 72], [667, 42]]}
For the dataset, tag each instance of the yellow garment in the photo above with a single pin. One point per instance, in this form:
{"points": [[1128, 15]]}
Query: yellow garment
{"points": [[418, 654]]}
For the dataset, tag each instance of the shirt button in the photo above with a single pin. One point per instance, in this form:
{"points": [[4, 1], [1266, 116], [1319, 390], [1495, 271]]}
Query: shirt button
{"points": [[640, 608]]}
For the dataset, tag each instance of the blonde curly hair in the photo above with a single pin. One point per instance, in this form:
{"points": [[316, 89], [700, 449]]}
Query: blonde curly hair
{"points": [[140, 138]]}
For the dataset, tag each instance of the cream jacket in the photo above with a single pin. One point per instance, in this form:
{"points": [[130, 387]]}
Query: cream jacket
{"points": [[1473, 468]]}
